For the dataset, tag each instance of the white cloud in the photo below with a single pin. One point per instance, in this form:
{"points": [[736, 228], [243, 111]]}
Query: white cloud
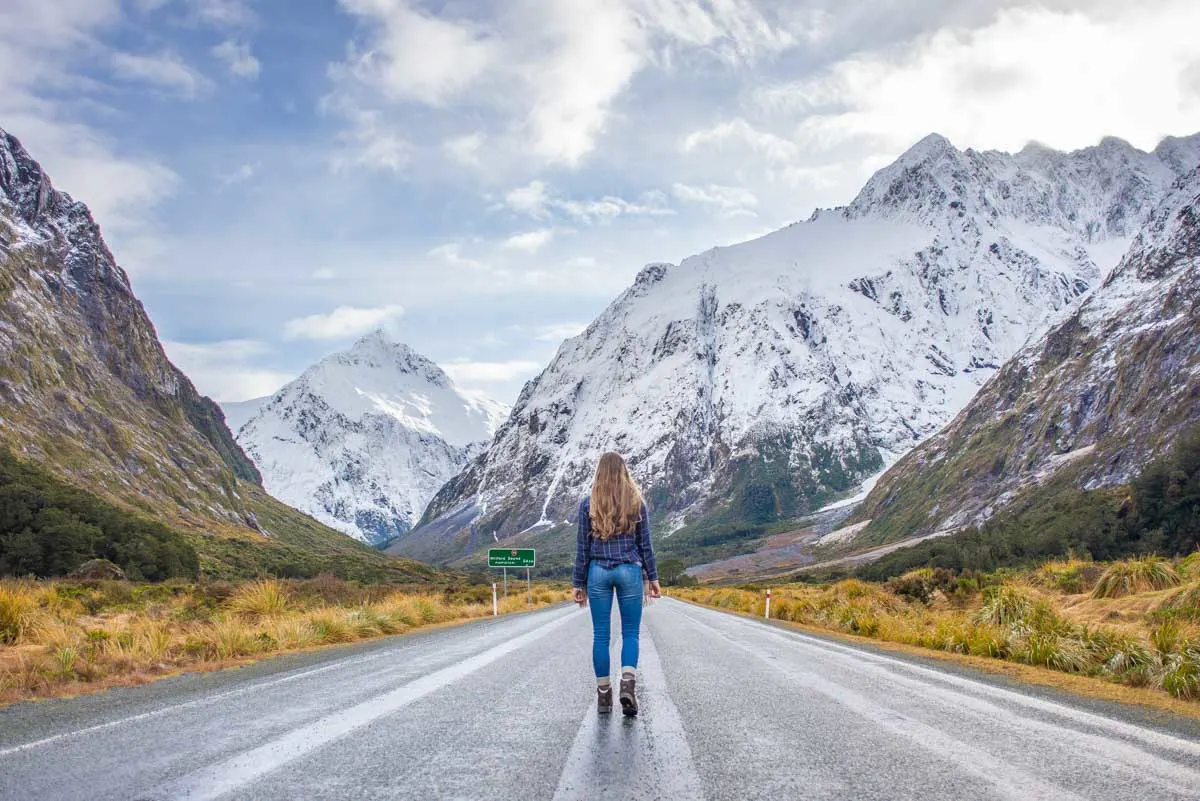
{"points": [[225, 370], [735, 30], [165, 70], [529, 242], [222, 13], [371, 143], [465, 149], [242, 174], [470, 373], [324, 274], [414, 56], [552, 69], [537, 200], [1061, 77], [738, 132], [530, 199], [609, 207], [451, 253], [237, 58], [729, 201], [343, 322], [558, 332], [41, 46]]}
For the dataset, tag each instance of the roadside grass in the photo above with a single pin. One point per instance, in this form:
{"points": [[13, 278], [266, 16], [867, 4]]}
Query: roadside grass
{"points": [[1137, 629], [68, 637], [1132, 576]]}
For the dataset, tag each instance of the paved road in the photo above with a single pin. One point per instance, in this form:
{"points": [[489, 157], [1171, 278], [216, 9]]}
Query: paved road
{"points": [[732, 709]]}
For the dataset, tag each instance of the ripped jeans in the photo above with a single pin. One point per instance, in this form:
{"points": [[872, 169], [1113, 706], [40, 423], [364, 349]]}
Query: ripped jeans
{"points": [[626, 581]]}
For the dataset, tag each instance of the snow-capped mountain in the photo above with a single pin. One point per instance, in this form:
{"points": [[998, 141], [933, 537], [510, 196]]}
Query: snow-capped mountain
{"points": [[364, 438], [753, 382], [1091, 402], [85, 386]]}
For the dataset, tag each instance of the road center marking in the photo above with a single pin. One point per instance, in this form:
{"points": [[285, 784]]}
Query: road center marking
{"points": [[224, 777], [618, 757], [1116, 728]]}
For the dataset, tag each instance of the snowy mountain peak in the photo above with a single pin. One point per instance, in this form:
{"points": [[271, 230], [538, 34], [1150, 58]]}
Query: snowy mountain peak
{"points": [[931, 148], [380, 351], [1100, 193], [364, 438], [752, 382], [1179, 152]]}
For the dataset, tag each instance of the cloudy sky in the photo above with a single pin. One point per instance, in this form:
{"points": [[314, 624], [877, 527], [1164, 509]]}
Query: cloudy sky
{"points": [[481, 177]]}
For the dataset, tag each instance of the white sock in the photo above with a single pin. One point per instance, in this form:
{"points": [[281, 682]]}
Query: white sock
{"points": [[604, 683], [628, 672]]}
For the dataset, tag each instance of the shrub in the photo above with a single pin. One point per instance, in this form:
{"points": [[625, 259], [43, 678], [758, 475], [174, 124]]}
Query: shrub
{"points": [[1121, 655], [1005, 605], [1132, 576], [922, 584], [1183, 603], [18, 611], [1071, 576], [260, 599]]}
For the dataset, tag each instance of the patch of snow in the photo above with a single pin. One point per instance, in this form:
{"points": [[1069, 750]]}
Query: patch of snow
{"points": [[842, 534]]}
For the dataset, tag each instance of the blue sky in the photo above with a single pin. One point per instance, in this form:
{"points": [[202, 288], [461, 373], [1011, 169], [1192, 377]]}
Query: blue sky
{"points": [[483, 177]]}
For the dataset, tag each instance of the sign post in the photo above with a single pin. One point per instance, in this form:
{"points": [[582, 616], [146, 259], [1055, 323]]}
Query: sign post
{"points": [[495, 606], [515, 557]]}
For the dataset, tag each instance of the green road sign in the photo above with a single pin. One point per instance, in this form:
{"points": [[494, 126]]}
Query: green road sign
{"points": [[512, 557]]}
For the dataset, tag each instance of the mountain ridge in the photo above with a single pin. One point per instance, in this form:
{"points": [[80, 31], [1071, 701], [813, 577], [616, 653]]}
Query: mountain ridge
{"points": [[1090, 403], [362, 439], [754, 382], [87, 393]]}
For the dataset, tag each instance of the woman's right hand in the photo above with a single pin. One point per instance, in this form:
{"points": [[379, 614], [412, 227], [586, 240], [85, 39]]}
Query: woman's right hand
{"points": [[580, 596]]}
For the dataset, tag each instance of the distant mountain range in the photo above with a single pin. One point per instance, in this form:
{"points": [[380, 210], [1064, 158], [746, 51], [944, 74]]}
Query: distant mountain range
{"points": [[87, 392], [363, 439], [757, 382], [1092, 401]]}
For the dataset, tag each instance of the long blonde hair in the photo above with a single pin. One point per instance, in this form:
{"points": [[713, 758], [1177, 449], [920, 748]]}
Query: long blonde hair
{"points": [[616, 506]]}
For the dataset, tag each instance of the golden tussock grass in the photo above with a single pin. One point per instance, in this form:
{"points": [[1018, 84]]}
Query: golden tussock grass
{"points": [[1147, 636], [61, 637]]}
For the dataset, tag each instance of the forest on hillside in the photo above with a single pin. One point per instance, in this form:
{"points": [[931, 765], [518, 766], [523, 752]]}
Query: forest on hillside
{"points": [[49, 528], [1158, 513]]}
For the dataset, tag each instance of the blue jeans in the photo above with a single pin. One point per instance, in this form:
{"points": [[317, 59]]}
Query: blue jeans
{"points": [[626, 581]]}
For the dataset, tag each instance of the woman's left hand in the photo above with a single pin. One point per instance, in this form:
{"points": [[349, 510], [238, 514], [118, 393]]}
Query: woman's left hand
{"points": [[580, 596], [655, 590]]}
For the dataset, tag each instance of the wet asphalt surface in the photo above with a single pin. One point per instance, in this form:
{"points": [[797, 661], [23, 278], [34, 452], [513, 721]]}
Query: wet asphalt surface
{"points": [[731, 709]]}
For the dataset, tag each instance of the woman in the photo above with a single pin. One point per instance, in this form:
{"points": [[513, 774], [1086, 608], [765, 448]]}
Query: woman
{"points": [[611, 551]]}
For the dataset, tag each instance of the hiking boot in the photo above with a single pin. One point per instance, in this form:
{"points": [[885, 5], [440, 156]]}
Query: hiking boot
{"points": [[604, 700], [629, 695]]}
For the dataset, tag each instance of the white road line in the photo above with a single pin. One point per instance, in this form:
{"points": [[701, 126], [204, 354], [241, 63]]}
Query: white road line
{"points": [[225, 777], [618, 758], [1006, 780], [1106, 748], [340, 664], [1117, 727]]}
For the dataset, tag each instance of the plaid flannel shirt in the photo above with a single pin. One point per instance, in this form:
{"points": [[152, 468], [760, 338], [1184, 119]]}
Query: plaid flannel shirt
{"points": [[627, 548]]}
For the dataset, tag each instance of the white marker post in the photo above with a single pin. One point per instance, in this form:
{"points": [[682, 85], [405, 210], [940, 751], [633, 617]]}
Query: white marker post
{"points": [[495, 607], [767, 614]]}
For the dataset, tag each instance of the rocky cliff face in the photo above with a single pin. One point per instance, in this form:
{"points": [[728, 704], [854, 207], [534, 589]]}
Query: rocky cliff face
{"points": [[1094, 400], [757, 381], [84, 384], [363, 439]]}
